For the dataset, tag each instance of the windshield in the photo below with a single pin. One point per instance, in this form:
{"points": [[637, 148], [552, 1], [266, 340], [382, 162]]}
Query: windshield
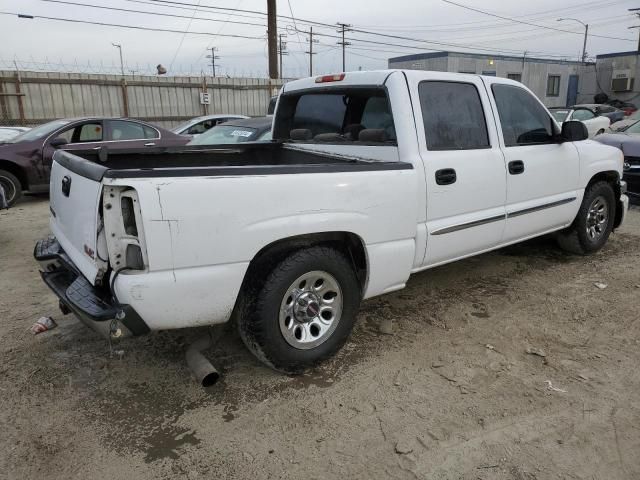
{"points": [[185, 125], [225, 134], [560, 115], [39, 132], [635, 128]]}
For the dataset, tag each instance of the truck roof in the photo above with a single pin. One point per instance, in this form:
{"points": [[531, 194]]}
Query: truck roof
{"points": [[374, 78]]}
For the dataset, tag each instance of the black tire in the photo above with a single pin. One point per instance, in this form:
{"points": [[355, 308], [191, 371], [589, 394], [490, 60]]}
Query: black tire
{"points": [[576, 239], [599, 132], [12, 187], [259, 322]]}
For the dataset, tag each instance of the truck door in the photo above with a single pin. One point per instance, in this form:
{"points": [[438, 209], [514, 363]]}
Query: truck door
{"points": [[542, 173], [464, 167]]}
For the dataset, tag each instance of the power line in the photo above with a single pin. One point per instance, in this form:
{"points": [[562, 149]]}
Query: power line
{"points": [[134, 27], [175, 55], [529, 23], [491, 25], [147, 12]]}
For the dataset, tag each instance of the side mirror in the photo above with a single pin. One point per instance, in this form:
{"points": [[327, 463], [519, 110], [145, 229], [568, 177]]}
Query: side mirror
{"points": [[573, 131], [58, 142]]}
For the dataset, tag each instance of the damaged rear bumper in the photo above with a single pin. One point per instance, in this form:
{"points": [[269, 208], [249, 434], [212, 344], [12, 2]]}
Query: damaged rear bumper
{"points": [[94, 306]]}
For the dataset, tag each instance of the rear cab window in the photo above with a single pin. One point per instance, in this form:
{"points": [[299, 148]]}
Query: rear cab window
{"points": [[336, 116]]}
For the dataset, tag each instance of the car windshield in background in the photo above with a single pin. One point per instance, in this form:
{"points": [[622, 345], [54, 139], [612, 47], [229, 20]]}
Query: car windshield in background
{"points": [[560, 115], [39, 132], [225, 134], [635, 128], [183, 126]]}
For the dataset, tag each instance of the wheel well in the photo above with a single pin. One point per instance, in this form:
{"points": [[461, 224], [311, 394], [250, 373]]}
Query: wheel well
{"points": [[612, 178], [348, 243], [17, 171]]}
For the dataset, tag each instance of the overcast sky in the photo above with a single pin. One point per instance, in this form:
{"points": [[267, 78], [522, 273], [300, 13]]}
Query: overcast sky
{"points": [[40, 42]]}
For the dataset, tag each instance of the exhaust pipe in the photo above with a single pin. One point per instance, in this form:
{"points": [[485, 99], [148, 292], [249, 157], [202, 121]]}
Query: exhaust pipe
{"points": [[205, 373]]}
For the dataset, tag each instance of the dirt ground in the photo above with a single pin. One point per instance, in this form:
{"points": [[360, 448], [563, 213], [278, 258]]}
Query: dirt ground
{"points": [[451, 394]]}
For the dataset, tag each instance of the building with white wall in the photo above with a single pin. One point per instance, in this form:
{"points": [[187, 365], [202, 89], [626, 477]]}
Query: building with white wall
{"points": [[555, 82]]}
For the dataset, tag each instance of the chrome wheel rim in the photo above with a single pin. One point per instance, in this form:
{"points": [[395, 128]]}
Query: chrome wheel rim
{"points": [[9, 189], [597, 218], [310, 310]]}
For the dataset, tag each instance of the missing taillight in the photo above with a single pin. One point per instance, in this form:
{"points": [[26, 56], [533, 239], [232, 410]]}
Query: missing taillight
{"points": [[128, 216], [134, 257]]}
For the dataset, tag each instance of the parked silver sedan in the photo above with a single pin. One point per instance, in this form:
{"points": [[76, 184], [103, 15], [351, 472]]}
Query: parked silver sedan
{"points": [[199, 125], [7, 133]]}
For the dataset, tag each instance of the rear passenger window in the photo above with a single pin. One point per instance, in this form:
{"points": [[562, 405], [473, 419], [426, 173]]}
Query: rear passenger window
{"points": [[125, 130], [453, 116], [524, 120]]}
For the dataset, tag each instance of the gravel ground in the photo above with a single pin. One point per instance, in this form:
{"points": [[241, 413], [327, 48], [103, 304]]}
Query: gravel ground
{"points": [[452, 393]]}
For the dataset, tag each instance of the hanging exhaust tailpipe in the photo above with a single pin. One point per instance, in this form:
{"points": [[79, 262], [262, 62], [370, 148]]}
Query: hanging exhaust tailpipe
{"points": [[205, 373]]}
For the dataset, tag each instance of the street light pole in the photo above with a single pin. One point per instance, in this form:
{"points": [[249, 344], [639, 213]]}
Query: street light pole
{"points": [[119, 47], [586, 33]]}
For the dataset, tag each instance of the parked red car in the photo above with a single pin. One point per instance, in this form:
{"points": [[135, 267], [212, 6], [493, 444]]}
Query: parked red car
{"points": [[25, 160]]}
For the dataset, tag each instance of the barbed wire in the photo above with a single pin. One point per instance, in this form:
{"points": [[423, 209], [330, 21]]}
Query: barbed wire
{"points": [[76, 66]]}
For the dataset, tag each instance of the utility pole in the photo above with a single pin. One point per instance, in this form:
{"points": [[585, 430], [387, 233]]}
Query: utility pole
{"points": [[213, 58], [310, 51], [282, 50], [586, 34], [636, 12], [344, 27], [119, 47], [272, 38]]}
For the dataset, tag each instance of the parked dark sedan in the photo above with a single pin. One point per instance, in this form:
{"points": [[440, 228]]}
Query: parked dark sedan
{"points": [[25, 160], [236, 131], [614, 114], [629, 142]]}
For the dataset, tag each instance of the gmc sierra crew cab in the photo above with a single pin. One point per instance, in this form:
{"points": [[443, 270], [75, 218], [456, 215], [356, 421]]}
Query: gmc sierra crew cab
{"points": [[371, 176]]}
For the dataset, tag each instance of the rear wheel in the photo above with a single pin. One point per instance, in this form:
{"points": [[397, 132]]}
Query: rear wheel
{"points": [[301, 311], [12, 187], [590, 230], [600, 132]]}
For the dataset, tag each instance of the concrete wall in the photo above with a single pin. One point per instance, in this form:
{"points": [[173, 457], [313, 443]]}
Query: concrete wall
{"points": [[164, 101]]}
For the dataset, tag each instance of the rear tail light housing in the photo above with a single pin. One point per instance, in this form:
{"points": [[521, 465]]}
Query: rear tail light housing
{"points": [[123, 228]]}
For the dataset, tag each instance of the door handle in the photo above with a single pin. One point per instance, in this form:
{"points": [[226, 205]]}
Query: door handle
{"points": [[150, 144], [446, 176], [516, 167]]}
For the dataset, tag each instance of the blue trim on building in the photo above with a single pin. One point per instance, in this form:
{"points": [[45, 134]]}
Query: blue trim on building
{"points": [[619, 54], [482, 56]]}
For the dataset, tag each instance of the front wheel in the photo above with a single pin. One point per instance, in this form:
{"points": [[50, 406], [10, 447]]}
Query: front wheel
{"points": [[590, 230], [12, 187], [303, 310], [599, 132]]}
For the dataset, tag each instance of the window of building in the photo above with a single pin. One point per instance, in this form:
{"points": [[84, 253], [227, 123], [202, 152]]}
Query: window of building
{"points": [[523, 119], [515, 76], [489, 73], [453, 116], [553, 86]]}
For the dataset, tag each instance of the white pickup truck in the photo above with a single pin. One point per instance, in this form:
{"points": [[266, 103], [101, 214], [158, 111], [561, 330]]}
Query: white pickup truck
{"points": [[372, 176]]}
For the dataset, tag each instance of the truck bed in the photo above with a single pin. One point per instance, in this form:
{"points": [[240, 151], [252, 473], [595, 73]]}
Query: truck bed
{"points": [[248, 159]]}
